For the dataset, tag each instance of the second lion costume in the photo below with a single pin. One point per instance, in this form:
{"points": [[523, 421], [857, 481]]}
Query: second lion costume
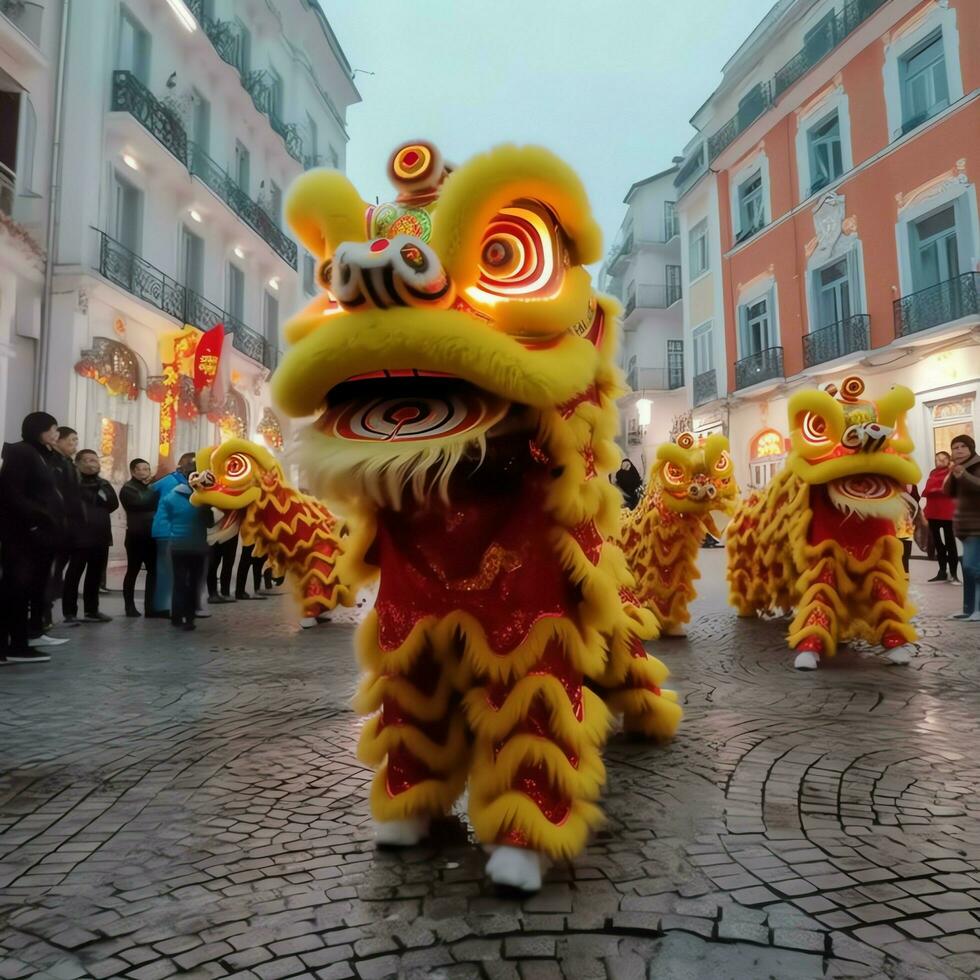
{"points": [[462, 370]]}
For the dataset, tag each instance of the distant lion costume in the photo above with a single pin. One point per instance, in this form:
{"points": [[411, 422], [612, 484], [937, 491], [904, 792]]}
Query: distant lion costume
{"points": [[462, 370], [300, 537], [662, 536], [821, 539]]}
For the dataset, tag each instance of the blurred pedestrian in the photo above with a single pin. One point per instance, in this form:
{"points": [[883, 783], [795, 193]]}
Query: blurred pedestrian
{"points": [[186, 529], [939, 511], [32, 527], [630, 483], [963, 483], [91, 539], [140, 503]]}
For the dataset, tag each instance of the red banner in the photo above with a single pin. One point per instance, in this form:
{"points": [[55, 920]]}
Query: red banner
{"points": [[207, 357]]}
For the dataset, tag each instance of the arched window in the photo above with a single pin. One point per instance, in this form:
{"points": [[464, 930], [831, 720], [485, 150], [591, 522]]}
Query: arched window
{"points": [[767, 452]]}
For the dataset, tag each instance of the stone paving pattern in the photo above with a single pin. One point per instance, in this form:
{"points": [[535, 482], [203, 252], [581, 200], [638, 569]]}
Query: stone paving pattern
{"points": [[190, 804]]}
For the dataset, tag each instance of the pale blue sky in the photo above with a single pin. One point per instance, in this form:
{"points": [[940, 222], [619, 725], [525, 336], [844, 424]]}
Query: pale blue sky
{"points": [[608, 86]]}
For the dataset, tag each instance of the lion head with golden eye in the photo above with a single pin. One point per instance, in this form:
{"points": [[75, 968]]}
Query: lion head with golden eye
{"points": [[695, 478], [448, 319], [857, 449]]}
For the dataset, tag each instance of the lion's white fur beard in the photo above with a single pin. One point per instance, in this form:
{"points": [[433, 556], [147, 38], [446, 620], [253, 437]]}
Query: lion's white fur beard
{"points": [[896, 508], [384, 474]]}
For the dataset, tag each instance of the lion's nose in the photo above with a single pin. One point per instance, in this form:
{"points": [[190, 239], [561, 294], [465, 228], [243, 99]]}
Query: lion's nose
{"points": [[385, 273]]}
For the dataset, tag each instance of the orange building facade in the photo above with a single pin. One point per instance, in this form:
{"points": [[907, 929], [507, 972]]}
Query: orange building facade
{"points": [[828, 215]]}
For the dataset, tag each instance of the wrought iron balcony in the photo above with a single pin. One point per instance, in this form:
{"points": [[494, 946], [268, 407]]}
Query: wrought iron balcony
{"points": [[130, 95], [25, 16], [652, 297], [145, 281], [226, 39], [656, 378], [705, 387], [218, 179], [763, 366], [844, 337], [750, 108], [943, 303], [827, 37]]}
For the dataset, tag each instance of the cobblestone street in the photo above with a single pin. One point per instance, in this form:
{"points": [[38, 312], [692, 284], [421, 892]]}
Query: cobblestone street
{"points": [[175, 804]]}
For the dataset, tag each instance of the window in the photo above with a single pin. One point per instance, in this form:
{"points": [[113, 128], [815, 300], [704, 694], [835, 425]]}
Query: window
{"points": [[925, 89], [699, 249], [703, 354], [235, 298], [950, 418], [826, 155], [672, 281], [127, 216], [134, 47], [833, 289], [670, 220], [243, 53], [271, 321], [192, 260], [675, 364], [935, 253], [757, 331], [276, 98], [767, 451], [242, 167], [751, 214], [201, 132], [275, 201], [313, 142], [309, 274]]}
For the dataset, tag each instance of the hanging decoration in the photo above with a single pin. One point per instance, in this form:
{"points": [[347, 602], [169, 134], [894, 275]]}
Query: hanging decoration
{"points": [[177, 358], [112, 365], [232, 416], [270, 429], [209, 378]]}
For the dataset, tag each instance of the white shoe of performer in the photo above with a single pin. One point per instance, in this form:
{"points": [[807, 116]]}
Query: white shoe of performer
{"points": [[807, 660], [401, 833], [516, 867]]}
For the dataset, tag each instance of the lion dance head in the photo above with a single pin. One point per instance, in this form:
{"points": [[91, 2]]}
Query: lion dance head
{"points": [[695, 477]]}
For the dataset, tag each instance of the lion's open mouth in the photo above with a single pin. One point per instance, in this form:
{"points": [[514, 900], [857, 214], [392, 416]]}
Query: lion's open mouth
{"points": [[870, 495], [408, 406]]}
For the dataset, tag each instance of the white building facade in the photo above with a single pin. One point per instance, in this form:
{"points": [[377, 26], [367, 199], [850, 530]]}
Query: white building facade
{"points": [[643, 271]]}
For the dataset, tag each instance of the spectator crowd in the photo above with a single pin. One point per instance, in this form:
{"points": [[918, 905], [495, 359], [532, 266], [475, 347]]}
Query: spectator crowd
{"points": [[55, 536]]}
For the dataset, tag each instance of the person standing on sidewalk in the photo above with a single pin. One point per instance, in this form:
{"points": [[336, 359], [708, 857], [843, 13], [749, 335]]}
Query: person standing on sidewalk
{"points": [[91, 540], [140, 504], [162, 487], [32, 528], [963, 483], [247, 563], [222, 557], [186, 530], [939, 512], [62, 463]]}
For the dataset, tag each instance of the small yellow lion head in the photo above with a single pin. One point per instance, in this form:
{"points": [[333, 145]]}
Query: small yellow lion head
{"points": [[449, 316], [695, 477], [858, 448]]}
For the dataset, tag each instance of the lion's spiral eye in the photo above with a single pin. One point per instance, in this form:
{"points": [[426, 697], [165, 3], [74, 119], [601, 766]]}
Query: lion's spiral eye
{"points": [[521, 252], [723, 462], [674, 474], [238, 466], [814, 428]]}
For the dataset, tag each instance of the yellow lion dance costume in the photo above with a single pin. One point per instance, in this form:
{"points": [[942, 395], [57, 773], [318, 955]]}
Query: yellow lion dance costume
{"points": [[462, 369], [821, 539], [661, 537], [300, 537]]}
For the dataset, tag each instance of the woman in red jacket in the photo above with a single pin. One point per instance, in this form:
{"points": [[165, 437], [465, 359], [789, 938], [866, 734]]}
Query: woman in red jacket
{"points": [[940, 508]]}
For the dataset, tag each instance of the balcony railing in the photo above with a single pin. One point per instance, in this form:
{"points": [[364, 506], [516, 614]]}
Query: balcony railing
{"points": [[226, 39], [705, 387], [827, 37], [130, 95], [656, 378], [749, 109], [844, 337], [145, 281], [763, 366], [652, 297], [218, 179], [943, 303], [25, 16], [8, 187], [691, 169]]}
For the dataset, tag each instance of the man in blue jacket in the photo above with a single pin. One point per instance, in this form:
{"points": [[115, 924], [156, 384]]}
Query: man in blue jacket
{"points": [[161, 596], [186, 529]]}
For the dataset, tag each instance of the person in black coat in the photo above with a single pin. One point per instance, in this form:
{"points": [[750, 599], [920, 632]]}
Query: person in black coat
{"points": [[630, 483], [66, 478], [90, 539], [140, 504], [32, 528]]}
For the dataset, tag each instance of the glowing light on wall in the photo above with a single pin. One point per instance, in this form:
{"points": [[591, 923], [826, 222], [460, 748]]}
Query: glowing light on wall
{"points": [[643, 409]]}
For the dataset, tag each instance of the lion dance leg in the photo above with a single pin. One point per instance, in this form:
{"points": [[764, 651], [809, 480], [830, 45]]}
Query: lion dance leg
{"points": [[815, 629], [536, 770], [415, 737], [890, 609]]}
